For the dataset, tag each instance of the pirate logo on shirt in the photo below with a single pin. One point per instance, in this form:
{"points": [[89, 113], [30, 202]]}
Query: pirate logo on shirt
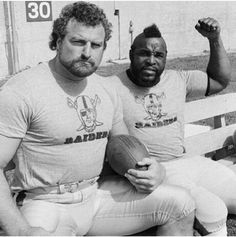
{"points": [[152, 104], [86, 111]]}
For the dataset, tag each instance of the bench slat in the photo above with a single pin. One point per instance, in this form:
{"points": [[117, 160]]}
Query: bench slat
{"points": [[210, 107], [210, 141]]}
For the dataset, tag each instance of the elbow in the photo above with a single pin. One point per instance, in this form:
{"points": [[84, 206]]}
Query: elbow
{"points": [[222, 79], [226, 79], [225, 83]]}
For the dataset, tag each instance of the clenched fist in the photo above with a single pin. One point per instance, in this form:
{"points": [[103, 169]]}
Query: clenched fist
{"points": [[208, 27]]}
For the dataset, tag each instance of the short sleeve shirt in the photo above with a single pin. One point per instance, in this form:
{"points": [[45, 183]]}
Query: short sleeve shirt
{"points": [[156, 115], [64, 134]]}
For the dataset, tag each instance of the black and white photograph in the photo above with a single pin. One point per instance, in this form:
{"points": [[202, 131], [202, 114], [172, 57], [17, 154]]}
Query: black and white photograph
{"points": [[117, 118]]}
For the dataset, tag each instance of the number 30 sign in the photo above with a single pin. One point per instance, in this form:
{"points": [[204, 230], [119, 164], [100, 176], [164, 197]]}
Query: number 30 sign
{"points": [[38, 11]]}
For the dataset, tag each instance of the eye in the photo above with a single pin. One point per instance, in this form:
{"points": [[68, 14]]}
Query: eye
{"points": [[96, 45], [158, 55], [143, 53], [79, 42]]}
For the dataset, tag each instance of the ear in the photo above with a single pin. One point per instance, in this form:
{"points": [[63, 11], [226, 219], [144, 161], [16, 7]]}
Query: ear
{"points": [[59, 41], [104, 45], [131, 55]]}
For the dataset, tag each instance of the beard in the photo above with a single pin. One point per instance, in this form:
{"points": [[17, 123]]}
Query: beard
{"points": [[79, 67], [144, 78]]}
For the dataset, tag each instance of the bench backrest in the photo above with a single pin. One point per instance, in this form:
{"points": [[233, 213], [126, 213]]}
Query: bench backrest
{"points": [[220, 137]]}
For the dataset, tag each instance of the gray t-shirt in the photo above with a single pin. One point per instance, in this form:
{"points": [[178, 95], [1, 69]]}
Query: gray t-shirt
{"points": [[156, 115], [64, 135]]}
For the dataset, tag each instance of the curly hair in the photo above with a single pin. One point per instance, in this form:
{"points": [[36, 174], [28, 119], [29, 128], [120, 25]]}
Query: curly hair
{"points": [[84, 12]]}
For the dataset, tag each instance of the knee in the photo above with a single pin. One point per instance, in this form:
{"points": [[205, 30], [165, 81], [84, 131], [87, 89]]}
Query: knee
{"points": [[212, 219], [176, 205], [211, 210], [183, 227], [181, 203]]}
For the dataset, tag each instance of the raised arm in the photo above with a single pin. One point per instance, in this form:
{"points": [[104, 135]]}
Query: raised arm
{"points": [[219, 68]]}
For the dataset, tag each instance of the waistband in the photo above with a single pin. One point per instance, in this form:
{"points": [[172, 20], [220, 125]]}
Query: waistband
{"points": [[71, 187]]}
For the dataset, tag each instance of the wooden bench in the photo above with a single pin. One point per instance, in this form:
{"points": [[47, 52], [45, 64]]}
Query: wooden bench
{"points": [[217, 142]]}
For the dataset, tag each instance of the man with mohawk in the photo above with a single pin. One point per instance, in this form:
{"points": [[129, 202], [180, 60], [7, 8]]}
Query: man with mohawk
{"points": [[153, 105]]}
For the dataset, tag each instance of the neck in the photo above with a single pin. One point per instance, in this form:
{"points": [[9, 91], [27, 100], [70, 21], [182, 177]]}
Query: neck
{"points": [[131, 76], [62, 71]]}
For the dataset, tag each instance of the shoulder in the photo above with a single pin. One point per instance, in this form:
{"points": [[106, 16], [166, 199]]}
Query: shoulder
{"points": [[182, 75], [102, 86], [29, 78], [110, 83], [174, 73]]}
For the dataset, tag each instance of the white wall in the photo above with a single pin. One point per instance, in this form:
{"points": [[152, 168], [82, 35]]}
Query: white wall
{"points": [[176, 21], [3, 44]]}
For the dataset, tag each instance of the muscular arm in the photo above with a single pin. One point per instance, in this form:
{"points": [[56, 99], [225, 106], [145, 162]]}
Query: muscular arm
{"points": [[119, 128], [11, 219], [219, 68]]}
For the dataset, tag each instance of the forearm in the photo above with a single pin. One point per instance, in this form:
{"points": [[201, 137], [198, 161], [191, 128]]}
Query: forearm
{"points": [[219, 67], [11, 220]]}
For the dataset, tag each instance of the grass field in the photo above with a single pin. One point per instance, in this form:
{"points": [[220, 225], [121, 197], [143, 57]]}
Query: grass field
{"points": [[188, 63]]}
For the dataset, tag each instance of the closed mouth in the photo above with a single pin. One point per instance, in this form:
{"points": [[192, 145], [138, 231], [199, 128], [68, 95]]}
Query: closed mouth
{"points": [[149, 69], [85, 63]]}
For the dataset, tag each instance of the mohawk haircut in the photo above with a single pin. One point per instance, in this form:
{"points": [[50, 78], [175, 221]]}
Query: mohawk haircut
{"points": [[152, 31]]}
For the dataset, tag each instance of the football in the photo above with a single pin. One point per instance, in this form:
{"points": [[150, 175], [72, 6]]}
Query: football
{"points": [[124, 151], [234, 139]]}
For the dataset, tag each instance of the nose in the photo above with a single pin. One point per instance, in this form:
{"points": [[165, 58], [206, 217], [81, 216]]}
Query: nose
{"points": [[86, 53], [151, 59]]}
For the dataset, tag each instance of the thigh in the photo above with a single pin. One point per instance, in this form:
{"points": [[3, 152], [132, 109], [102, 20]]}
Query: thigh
{"points": [[49, 216], [83, 214], [201, 170], [218, 179], [211, 175], [221, 181], [124, 211], [211, 171], [210, 209], [62, 218], [189, 167]]}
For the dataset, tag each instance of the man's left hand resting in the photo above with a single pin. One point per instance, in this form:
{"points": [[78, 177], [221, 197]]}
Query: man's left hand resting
{"points": [[146, 181]]}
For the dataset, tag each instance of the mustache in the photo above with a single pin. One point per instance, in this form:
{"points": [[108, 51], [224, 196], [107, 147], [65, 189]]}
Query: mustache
{"points": [[149, 68], [80, 60]]}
